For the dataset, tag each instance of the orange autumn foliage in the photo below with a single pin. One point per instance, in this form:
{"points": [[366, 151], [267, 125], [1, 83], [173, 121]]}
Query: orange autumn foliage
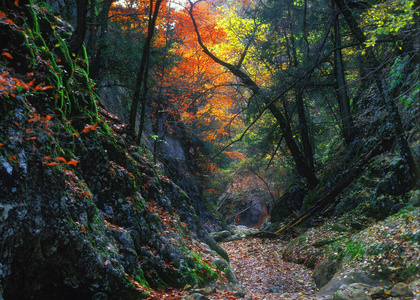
{"points": [[90, 127]]}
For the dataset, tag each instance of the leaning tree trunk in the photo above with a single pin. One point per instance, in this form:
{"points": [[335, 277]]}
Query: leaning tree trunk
{"points": [[302, 166], [300, 105], [330, 196]]}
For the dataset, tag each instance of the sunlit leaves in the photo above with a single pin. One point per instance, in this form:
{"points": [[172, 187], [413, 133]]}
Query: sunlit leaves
{"points": [[388, 18], [242, 33]]}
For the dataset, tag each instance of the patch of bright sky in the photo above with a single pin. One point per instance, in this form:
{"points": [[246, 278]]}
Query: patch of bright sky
{"points": [[174, 4]]}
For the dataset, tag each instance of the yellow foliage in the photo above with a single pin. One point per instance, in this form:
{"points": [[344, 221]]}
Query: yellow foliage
{"points": [[387, 18]]}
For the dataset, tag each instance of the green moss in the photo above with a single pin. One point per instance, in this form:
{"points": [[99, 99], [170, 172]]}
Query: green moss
{"points": [[299, 241], [139, 277], [194, 270], [30, 15], [354, 249], [409, 273]]}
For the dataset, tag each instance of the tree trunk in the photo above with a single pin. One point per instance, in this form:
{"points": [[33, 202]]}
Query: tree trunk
{"points": [[300, 106], [143, 102], [330, 196], [142, 73], [343, 100], [304, 129], [383, 91], [98, 61], [77, 38], [302, 167]]}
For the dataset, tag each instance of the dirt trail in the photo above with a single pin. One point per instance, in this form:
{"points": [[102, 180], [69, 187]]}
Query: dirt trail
{"points": [[264, 275]]}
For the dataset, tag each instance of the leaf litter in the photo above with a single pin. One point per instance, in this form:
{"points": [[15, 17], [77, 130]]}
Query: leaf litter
{"points": [[259, 267]]}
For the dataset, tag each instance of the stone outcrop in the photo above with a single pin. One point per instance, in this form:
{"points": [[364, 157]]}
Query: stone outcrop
{"points": [[83, 213]]}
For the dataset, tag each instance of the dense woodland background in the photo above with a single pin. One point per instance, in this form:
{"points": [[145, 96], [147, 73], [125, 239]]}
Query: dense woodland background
{"points": [[264, 96], [129, 125]]}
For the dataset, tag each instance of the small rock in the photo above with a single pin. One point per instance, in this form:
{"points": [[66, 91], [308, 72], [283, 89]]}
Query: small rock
{"points": [[350, 293], [196, 296], [225, 234], [360, 286], [401, 289], [204, 291], [360, 295], [415, 200], [100, 296], [376, 292]]}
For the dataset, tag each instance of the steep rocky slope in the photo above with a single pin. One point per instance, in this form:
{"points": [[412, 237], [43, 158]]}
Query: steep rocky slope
{"points": [[83, 213]]}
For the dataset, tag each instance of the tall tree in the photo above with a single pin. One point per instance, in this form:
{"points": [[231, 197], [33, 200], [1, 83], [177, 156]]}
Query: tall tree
{"points": [[98, 38], [341, 85], [301, 164], [142, 73], [78, 36], [373, 63]]}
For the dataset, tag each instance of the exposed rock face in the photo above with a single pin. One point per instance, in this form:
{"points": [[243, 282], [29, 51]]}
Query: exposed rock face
{"points": [[401, 290], [354, 291], [82, 214], [362, 291], [350, 277], [325, 271], [170, 147], [54, 246]]}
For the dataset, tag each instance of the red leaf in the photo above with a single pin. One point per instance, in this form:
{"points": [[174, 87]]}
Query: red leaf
{"points": [[39, 87], [7, 54], [81, 226], [90, 127], [72, 162], [62, 159]]}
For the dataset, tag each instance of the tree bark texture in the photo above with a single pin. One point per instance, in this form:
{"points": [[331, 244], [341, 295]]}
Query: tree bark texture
{"points": [[341, 88], [78, 36]]}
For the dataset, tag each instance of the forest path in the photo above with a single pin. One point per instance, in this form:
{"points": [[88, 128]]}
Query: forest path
{"points": [[259, 266]]}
